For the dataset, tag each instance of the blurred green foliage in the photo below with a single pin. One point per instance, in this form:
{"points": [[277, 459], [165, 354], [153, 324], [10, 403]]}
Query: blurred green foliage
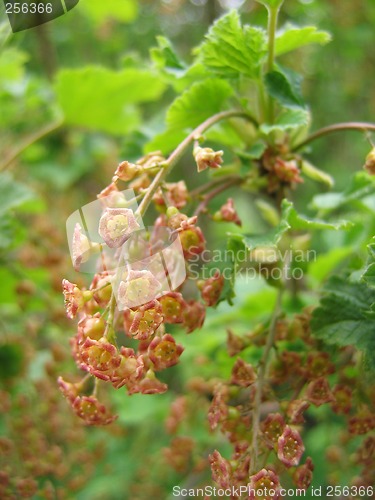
{"points": [[85, 77]]}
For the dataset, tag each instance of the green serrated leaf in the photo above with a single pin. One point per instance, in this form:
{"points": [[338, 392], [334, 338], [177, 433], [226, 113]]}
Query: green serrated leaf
{"points": [[342, 319], [12, 194], [230, 49], [290, 219], [279, 87], [288, 120], [165, 57], [368, 275], [199, 102], [102, 99], [299, 222], [292, 37]]}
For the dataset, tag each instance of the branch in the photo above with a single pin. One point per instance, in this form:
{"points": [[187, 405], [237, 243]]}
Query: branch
{"points": [[215, 192], [261, 380], [28, 141], [168, 165], [337, 127]]}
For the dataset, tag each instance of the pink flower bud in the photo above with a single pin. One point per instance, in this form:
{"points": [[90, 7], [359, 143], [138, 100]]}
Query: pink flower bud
{"points": [[193, 316], [73, 297], [370, 162], [218, 410], [295, 410], [146, 320], [229, 214], [192, 241], [303, 474], [164, 352], [319, 392], [175, 193], [173, 307], [116, 225], [265, 480], [211, 289], [149, 385], [91, 411], [343, 399], [207, 158], [126, 171], [290, 447], [235, 344], [243, 374], [221, 470], [272, 428]]}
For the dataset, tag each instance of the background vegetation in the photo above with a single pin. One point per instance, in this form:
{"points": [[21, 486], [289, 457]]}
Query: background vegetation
{"points": [[72, 105]]}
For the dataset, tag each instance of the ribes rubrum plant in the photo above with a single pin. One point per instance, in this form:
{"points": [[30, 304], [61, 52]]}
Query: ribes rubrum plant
{"points": [[241, 116]]}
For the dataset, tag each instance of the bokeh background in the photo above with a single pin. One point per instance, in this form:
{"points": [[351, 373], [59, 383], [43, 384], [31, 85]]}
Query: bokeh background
{"points": [[48, 170]]}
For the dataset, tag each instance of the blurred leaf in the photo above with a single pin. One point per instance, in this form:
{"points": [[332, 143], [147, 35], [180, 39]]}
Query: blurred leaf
{"points": [[100, 11], [369, 274], [292, 38], [166, 58], [290, 219], [299, 222], [165, 141], [254, 152], [12, 62], [199, 102], [316, 174], [361, 185], [101, 99], [290, 119], [7, 231], [11, 360], [279, 87], [343, 316], [326, 263], [231, 50], [12, 194]]}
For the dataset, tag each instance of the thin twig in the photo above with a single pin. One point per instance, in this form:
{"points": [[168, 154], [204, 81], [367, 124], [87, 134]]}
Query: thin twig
{"points": [[210, 185], [261, 379], [336, 127], [179, 151], [28, 141], [212, 194]]}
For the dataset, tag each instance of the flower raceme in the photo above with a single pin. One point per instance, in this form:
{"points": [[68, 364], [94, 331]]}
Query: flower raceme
{"points": [[129, 291]]}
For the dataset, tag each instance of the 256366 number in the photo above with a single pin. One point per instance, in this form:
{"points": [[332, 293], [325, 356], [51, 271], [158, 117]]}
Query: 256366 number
{"points": [[346, 491], [26, 8]]}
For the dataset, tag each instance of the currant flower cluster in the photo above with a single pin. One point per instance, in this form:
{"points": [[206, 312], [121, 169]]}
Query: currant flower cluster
{"points": [[266, 433], [272, 448], [127, 296]]}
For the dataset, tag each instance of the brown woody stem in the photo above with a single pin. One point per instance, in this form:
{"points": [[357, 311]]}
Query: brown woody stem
{"points": [[336, 127], [179, 151]]}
